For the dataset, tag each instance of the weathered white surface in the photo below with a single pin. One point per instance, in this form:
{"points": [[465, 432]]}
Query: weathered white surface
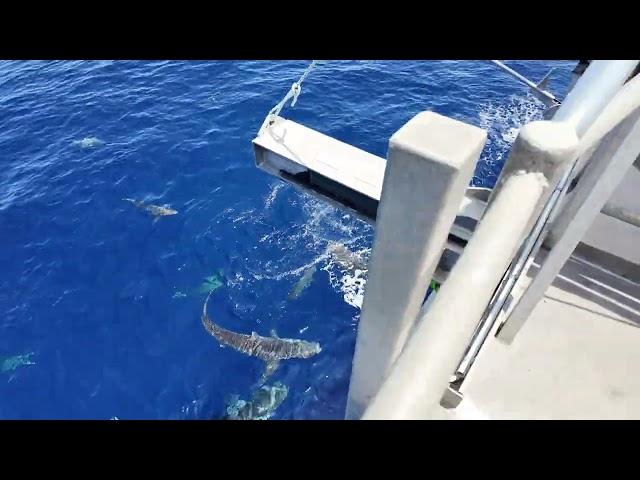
{"points": [[339, 161], [431, 161], [545, 147], [421, 374], [576, 357]]}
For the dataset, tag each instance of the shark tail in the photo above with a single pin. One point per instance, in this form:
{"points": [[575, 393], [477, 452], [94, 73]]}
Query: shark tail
{"points": [[544, 83], [206, 321], [206, 302]]}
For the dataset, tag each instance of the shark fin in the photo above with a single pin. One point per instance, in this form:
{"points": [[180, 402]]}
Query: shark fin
{"points": [[544, 83], [155, 219], [274, 334], [254, 335], [541, 93]]}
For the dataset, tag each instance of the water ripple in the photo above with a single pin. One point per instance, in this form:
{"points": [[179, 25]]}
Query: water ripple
{"points": [[88, 282]]}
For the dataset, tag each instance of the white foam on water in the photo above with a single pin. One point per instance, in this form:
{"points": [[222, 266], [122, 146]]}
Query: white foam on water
{"points": [[353, 288], [349, 282], [503, 121], [243, 216], [237, 280], [273, 193]]}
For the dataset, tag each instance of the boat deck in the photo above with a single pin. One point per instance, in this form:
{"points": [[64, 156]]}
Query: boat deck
{"points": [[576, 357]]}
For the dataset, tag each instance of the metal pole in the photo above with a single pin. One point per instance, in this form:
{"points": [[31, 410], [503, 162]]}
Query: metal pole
{"points": [[546, 97]]}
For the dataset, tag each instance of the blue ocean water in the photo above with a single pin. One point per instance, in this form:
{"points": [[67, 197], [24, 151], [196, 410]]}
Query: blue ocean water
{"points": [[103, 303]]}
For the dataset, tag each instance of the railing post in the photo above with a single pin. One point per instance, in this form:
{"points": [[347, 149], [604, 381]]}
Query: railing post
{"points": [[431, 160], [545, 147]]}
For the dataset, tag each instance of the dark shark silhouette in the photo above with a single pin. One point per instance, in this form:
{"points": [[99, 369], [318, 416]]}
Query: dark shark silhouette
{"points": [[270, 350]]}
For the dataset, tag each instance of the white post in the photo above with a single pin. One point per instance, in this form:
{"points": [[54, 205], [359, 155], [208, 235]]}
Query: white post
{"points": [[608, 166], [546, 147], [430, 163]]}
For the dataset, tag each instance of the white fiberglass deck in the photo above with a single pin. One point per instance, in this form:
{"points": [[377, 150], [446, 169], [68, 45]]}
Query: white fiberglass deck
{"points": [[576, 357]]}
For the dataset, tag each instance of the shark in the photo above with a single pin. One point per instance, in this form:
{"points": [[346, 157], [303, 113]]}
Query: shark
{"points": [[155, 210], [302, 284], [88, 142], [271, 350], [345, 257], [9, 364], [262, 405]]}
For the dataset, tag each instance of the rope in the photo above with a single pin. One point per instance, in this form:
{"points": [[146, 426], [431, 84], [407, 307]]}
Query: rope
{"points": [[293, 93]]}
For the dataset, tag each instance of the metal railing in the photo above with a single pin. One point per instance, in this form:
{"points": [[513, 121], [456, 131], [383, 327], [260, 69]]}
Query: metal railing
{"points": [[421, 374], [594, 90], [618, 146]]}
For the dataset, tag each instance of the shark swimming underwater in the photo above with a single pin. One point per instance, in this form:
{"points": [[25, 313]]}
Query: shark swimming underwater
{"points": [[302, 284], [9, 364], [262, 405], [155, 210], [345, 257], [271, 349]]}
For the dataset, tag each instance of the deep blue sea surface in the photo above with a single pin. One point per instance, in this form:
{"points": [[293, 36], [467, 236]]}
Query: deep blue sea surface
{"points": [[100, 305]]}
